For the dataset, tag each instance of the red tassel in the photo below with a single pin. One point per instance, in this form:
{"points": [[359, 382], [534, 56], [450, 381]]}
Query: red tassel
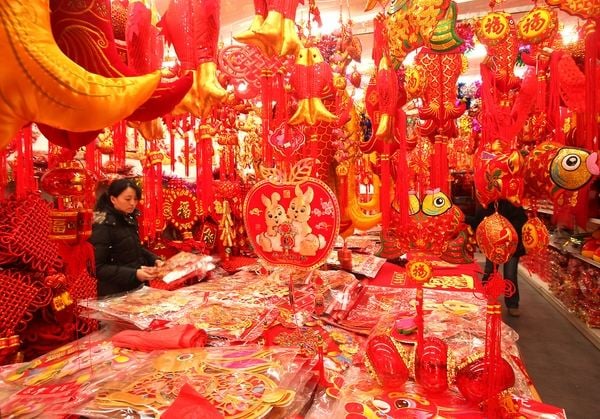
{"points": [[401, 197], [590, 115], [25, 181], [267, 87]]}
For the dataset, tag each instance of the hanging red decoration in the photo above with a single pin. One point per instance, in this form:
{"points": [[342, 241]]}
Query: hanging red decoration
{"points": [[497, 238], [497, 176], [535, 236]]}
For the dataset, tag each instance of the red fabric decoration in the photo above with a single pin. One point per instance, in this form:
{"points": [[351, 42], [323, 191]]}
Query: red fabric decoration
{"points": [[535, 236], [497, 238], [84, 33], [192, 26], [180, 336], [498, 176], [189, 404], [144, 44]]}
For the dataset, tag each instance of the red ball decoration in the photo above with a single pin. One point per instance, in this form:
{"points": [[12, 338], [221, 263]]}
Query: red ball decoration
{"points": [[497, 238], [473, 379], [431, 368]]}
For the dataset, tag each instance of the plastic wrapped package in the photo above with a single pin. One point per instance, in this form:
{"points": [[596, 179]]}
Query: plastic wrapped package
{"points": [[182, 266], [56, 383], [142, 307], [247, 381], [232, 322]]}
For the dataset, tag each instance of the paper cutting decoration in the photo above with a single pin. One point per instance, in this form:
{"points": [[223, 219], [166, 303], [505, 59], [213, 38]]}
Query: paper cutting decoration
{"points": [[292, 224]]}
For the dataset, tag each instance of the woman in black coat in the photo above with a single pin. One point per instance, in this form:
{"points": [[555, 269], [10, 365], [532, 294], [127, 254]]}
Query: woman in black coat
{"points": [[122, 263]]}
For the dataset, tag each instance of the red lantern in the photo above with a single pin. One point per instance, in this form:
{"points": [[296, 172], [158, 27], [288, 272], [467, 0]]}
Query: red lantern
{"points": [[355, 78], [384, 360], [497, 238], [68, 179], [431, 367], [473, 383]]}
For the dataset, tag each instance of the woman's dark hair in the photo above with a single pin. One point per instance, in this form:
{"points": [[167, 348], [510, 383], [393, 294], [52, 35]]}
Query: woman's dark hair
{"points": [[115, 189]]}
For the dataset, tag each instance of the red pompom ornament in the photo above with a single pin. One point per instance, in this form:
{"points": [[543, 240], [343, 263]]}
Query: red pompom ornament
{"points": [[497, 238]]}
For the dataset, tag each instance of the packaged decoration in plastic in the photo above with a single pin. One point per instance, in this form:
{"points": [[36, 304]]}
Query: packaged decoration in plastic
{"points": [[56, 383], [184, 265], [247, 382], [141, 307]]}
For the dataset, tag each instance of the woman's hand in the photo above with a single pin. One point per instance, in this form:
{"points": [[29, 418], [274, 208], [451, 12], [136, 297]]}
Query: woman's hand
{"points": [[145, 273]]}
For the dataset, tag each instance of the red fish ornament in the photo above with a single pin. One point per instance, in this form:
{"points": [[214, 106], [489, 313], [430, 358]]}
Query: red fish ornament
{"points": [[310, 77]]}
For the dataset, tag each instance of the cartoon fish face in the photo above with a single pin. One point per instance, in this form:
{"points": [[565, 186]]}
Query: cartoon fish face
{"points": [[436, 203], [573, 167]]}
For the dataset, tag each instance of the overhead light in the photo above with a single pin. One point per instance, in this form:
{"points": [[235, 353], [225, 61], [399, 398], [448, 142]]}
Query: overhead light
{"points": [[569, 34]]}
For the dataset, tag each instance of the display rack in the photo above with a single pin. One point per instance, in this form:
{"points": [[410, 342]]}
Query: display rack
{"points": [[593, 335]]}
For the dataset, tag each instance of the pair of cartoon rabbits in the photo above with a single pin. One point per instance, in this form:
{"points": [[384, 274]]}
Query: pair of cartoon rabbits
{"points": [[298, 213]]}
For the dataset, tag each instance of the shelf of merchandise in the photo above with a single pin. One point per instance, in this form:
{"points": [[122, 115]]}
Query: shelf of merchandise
{"points": [[575, 253], [593, 335]]}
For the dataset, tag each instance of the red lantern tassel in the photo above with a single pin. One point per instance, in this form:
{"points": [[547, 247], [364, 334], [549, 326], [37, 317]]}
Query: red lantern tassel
{"points": [[120, 144], [267, 87], [25, 182], [401, 196], [3, 171], [591, 59]]}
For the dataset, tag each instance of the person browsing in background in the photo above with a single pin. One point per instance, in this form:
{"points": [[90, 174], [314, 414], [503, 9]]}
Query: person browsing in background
{"points": [[122, 263], [517, 217]]}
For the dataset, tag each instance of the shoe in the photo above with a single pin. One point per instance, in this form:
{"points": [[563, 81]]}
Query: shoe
{"points": [[514, 312]]}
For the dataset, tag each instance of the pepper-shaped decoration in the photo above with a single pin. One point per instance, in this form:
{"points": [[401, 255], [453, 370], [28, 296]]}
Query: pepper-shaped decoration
{"points": [[273, 29], [387, 94], [192, 26], [83, 31], [310, 77]]}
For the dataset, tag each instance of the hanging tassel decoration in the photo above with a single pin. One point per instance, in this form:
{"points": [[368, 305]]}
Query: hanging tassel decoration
{"points": [[25, 181]]}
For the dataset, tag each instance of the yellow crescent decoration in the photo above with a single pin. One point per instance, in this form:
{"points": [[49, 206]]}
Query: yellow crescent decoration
{"points": [[38, 83]]}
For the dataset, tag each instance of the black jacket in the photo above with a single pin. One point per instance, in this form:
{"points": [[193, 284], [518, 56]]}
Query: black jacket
{"points": [[118, 252]]}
